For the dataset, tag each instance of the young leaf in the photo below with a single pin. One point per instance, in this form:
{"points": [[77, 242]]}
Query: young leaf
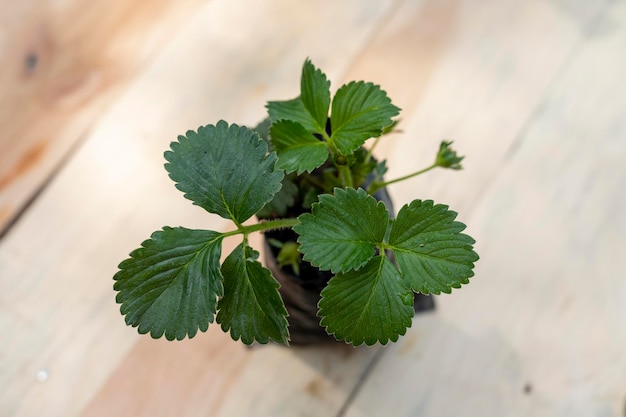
{"points": [[430, 250], [281, 202], [293, 110], [370, 305], [310, 108], [170, 285], [251, 308], [315, 94], [298, 150], [447, 157], [360, 111], [224, 169], [342, 230]]}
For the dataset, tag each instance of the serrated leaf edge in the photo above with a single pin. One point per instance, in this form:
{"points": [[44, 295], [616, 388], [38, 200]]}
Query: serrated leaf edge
{"points": [[125, 306]]}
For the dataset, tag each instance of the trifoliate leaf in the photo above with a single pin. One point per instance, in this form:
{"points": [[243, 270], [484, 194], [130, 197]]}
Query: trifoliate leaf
{"points": [[368, 305], [342, 230], [360, 111], [298, 150], [251, 308], [170, 285], [430, 250], [224, 169], [315, 94]]}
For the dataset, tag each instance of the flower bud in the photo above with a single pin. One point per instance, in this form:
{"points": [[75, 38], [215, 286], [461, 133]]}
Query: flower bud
{"points": [[447, 157]]}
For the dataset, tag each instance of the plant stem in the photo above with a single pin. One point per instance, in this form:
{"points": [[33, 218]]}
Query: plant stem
{"points": [[340, 162], [370, 151], [375, 186], [268, 225], [345, 175]]}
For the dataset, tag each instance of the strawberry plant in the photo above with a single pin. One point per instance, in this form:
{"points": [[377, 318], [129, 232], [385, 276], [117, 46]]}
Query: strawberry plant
{"points": [[305, 168]]}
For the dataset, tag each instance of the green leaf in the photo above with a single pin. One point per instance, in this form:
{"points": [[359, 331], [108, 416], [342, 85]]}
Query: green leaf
{"points": [[170, 285], [360, 111], [281, 202], [342, 230], [263, 129], [430, 250], [310, 108], [315, 94], [298, 150], [251, 308], [369, 305], [224, 169], [293, 110]]}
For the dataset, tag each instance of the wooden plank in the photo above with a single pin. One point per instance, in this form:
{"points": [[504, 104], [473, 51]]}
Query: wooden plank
{"points": [[540, 332], [212, 375], [64, 338], [471, 72], [62, 63], [65, 298]]}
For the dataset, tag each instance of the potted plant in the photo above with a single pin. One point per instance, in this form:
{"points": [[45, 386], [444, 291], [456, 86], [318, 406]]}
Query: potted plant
{"points": [[352, 267]]}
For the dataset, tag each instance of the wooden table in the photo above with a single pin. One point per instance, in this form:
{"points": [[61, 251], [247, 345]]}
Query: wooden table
{"points": [[532, 92]]}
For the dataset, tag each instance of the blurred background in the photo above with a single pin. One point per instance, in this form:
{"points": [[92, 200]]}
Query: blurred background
{"points": [[532, 92]]}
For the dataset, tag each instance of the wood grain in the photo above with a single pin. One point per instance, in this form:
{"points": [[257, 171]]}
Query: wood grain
{"points": [[540, 331], [63, 62], [532, 92], [113, 193], [212, 375]]}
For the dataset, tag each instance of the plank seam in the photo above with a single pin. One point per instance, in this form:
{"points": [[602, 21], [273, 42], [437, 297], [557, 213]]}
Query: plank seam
{"points": [[360, 383], [34, 196]]}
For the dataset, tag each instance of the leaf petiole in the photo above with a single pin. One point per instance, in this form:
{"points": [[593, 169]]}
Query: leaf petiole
{"points": [[370, 151], [345, 175], [267, 225], [377, 185]]}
